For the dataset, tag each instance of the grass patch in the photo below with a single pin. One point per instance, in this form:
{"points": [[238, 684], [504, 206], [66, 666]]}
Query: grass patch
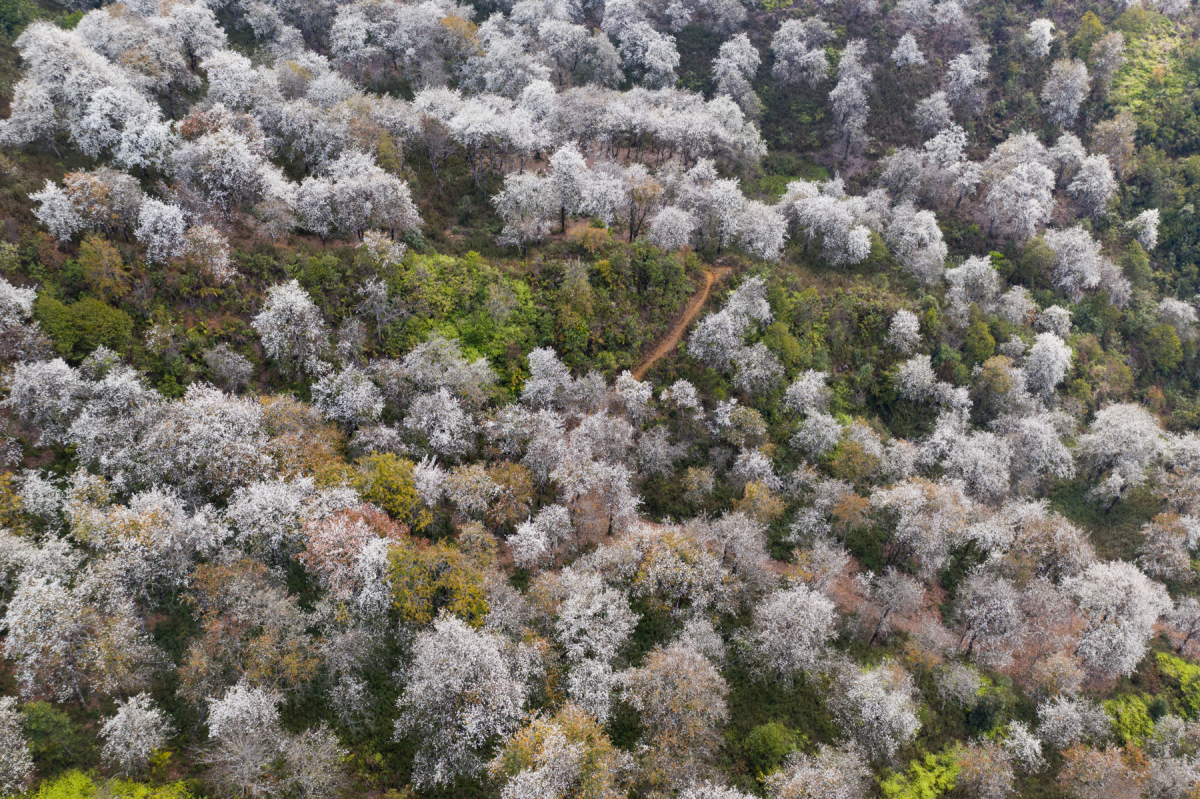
{"points": [[1153, 73], [1116, 530], [782, 168]]}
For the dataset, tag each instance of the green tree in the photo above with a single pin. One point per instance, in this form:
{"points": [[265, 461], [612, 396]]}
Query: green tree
{"points": [[80, 327], [55, 741], [1136, 265], [767, 745], [57, 322], [1163, 349], [427, 579], [979, 344], [781, 342], [387, 481], [1185, 675], [1090, 31], [103, 268], [77, 785], [98, 323], [1037, 259]]}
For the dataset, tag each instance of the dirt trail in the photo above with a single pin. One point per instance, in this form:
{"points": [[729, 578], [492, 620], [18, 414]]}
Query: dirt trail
{"points": [[671, 340]]}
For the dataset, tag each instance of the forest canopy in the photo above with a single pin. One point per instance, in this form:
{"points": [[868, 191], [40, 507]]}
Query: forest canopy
{"points": [[591, 399]]}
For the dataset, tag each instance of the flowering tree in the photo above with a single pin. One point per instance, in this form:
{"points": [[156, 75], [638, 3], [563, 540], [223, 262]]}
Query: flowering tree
{"points": [[1120, 607], [1078, 262], [791, 629], [205, 245], [733, 70], [162, 229], [593, 624], [849, 96], [137, 731], [526, 205], [292, 329], [907, 52], [541, 536], [915, 379], [567, 756], [1047, 363], [16, 761], [875, 708], [245, 727], [67, 641], [1145, 227], [1066, 720], [460, 691], [1064, 91], [890, 596], [834, 773], [672, 228], [47, 395], [57, 212], [1019, 201], [681, 699], [1094, 185], [904, 333], [964, 76], [348, 397], [339, 549], [1040, 37], [207, 442], [1164, 552], [799, 51], [1123, 441], [990, 618]]}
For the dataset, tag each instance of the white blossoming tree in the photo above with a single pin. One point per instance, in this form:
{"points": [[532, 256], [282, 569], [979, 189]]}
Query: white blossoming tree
{"points": [[137, 731], [460, 692]]}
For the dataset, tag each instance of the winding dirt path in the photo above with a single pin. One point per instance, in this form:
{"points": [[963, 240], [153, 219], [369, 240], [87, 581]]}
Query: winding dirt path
{"points": [[671, 340]]}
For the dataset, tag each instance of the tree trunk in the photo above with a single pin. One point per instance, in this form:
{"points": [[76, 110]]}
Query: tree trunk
{"points": [[878, 627], [436, 178]]}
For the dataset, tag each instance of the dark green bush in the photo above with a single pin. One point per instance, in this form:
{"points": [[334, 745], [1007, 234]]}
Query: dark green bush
{"points": [[55, 740], [14, 16]]}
